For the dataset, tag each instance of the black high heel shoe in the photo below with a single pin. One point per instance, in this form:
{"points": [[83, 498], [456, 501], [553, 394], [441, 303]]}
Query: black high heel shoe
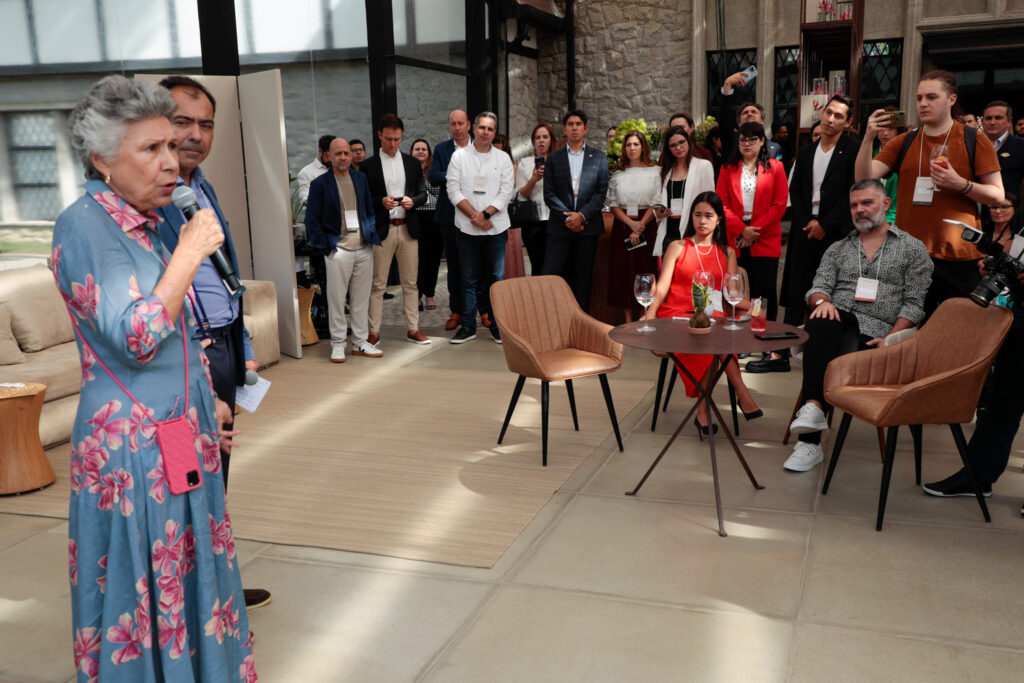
{"points": [[703, 428], [753, 415]]}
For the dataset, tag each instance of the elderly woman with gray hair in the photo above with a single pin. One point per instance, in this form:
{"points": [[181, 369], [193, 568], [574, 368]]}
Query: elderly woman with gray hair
{"points": [[155, 588]]}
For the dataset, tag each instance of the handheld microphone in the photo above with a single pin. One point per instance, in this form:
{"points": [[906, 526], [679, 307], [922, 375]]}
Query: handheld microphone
{"points": [[251, 378], [185, 199]]}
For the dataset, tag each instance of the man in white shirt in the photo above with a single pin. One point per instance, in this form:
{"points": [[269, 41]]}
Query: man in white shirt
{"points": [[396, 189], [480, 184], [315, 168]]}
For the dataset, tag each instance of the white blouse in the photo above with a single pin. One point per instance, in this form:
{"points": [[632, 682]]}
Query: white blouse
{"points": [[748, 185], [523, 173], [639, 187]]}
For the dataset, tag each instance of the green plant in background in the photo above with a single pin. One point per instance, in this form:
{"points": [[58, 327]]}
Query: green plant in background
{"points": [[700, 133], [655, 137]]}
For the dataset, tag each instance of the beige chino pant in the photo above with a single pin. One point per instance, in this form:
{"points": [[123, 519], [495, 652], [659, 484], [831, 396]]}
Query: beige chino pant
{"points": [[351, 273], [401, 245]]}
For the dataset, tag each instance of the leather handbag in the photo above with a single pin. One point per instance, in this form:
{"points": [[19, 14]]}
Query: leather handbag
{"points": [[522, 212]]}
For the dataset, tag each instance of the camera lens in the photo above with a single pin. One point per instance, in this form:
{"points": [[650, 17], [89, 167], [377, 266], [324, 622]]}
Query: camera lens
{"points": [[988, 289]]}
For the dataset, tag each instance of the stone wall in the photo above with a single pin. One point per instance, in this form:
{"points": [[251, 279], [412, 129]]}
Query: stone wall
{"points": [[632, 59]]}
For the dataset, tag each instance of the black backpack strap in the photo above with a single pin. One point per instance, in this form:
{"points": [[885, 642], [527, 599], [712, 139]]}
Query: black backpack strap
{"points": [[971, 141], [908, 140]]}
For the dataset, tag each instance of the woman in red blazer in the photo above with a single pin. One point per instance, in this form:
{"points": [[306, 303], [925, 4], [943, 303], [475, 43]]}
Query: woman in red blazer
{"points": [[754, 189]]}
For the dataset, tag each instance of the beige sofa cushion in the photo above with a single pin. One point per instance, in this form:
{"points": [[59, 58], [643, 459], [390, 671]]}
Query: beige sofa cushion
{"points": [[10, 352], [58, 367], [39, 318]]}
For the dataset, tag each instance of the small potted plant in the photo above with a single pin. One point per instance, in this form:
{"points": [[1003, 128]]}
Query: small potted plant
{"points": [[700, 322]]}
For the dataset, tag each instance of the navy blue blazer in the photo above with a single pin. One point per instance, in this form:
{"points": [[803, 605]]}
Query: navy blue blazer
{"points": [[170, 229], [1011, 161], [558, 194], [323, 211], [444, 214]]}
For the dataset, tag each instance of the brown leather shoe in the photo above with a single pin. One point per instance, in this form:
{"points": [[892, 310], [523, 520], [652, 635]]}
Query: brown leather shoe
{"points": [[374, 338], [485, 320], [453, 321], [417, 337], [256, 597]]}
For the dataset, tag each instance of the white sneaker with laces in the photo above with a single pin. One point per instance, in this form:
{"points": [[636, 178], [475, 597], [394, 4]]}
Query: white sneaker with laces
{"points": [[810, 418], [805, 456], [365, 348], [337, 354]]}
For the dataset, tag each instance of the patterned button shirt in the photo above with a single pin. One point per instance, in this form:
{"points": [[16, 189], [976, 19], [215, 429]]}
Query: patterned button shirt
{"points": [[901, 266]]}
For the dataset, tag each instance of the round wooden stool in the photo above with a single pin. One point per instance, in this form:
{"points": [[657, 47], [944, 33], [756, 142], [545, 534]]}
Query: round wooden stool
{"points": [[23, 465]]}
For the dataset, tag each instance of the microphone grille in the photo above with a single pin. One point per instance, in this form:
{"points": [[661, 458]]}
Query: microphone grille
{"points": [[183, 196]]}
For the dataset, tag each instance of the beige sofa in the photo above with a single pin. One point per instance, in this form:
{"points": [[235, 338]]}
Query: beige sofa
{"points": [[37, 341]]}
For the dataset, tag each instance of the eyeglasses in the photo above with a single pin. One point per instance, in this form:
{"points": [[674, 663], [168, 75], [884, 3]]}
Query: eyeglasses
{"points": [[681, 143], [749, 141], [1004, 207]]}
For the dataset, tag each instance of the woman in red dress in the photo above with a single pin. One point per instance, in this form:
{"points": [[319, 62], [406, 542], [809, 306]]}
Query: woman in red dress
{"points": [[704, 246]]}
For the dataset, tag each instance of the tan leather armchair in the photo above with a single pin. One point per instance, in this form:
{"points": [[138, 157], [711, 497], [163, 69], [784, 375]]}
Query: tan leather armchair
{"points": [[547, 336], [935, 377]]}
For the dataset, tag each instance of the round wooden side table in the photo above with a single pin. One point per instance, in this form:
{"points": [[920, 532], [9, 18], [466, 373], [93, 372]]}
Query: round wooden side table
{"points": [[23, 465]]}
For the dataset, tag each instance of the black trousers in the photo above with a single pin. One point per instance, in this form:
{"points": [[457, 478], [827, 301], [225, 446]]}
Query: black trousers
{"points": [[804, 259], [997, 425], [763, 273], [950, 279], [571, 255], [828, 340], [224, 359], [430, 245], [535, 239]]}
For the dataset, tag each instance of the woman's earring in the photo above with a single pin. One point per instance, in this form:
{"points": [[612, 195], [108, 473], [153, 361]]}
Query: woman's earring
{"points": [[107, 180]]}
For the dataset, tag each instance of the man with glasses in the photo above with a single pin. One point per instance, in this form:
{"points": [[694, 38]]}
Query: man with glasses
{"points": [[218, 315]]}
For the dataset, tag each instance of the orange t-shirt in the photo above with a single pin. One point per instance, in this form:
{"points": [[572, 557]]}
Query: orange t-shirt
{"points": [[925, 222]]}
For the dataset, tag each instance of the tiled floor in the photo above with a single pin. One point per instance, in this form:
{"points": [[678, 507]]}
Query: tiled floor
{"points": [[602, 587]]}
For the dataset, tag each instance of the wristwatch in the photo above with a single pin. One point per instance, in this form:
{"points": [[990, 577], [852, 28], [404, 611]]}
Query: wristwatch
{"points": [[486, 215]]}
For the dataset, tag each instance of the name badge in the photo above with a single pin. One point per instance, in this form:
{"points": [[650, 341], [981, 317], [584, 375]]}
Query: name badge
{"points": [[675, 207], [576, 185], [923, 191], [480, 184], [867, 289], [816, 200], [716, 301], [351, 220], [633, 211]]}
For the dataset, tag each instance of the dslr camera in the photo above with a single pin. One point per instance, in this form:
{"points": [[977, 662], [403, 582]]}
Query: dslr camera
{"points": [[1003, 269]]}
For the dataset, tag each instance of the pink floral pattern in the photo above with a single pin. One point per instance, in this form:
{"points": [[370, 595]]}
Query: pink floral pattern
{"points": [[181, 617]]}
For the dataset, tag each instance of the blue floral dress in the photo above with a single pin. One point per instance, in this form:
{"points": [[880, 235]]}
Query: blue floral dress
{"points": [[156, 593]]}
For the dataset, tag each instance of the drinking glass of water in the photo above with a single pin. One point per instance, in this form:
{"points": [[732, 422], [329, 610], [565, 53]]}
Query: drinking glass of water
{"points": [[643, 290]]}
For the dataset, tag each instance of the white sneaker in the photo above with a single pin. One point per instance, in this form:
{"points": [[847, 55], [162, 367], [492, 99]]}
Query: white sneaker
{"points": [[365, 348], [337, 354], [805, 456], [810, 418]]}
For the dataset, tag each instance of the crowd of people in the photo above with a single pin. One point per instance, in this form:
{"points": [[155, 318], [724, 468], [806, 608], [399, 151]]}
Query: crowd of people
{"points": [[154, 578]]}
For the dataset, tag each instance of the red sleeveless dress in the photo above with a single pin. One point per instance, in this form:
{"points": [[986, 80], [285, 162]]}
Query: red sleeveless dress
{"points": [[679, 302]]}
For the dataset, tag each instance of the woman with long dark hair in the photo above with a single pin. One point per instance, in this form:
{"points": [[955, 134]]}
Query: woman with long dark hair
{"points": [[754, 190], [430, 244], [683, 177], [633, 191], [704, 246], [530, 185]]}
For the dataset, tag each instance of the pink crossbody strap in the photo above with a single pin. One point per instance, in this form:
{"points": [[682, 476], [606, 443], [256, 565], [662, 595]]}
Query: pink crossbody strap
{"points": [[103, 365]]}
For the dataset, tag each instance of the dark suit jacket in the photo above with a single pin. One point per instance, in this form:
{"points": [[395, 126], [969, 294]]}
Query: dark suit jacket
{"points": [[445, 212], [170, 229], [834, 209], [415, 189], [323, 211], [1011, 163], [558, 194]]}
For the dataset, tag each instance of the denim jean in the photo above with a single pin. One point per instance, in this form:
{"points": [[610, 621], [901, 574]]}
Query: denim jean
{"points": [[482, 263]]}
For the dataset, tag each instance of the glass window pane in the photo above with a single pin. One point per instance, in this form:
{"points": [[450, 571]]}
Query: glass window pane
{"points": [[439, 33], [15, 47], [38, 203], [34, 167], [67, 32], [31, 130], [425, 98], [136, 29], [348, 23]]}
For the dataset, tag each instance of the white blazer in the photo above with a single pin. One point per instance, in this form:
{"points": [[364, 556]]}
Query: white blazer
{"points": [[699, 178]]}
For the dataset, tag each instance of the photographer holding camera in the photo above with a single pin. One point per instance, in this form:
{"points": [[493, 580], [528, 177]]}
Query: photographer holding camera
{"points": [[1002, 283]]}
